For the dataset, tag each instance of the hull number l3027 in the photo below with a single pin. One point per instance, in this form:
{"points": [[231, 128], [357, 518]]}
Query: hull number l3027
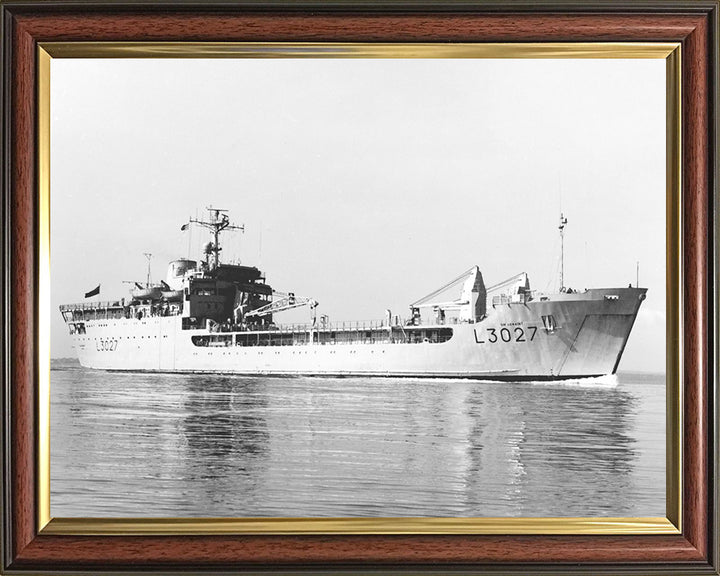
{"points": [[106, 345], [517, 334]]}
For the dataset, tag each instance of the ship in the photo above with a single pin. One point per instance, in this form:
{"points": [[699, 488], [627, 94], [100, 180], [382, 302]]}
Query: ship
{"points": [[209, 316]]}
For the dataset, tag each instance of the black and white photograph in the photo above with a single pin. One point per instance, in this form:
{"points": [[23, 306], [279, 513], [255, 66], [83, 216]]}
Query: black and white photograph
{"points": [[358, 287]]}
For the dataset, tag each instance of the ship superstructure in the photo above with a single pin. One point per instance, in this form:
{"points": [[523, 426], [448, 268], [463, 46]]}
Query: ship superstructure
{"points": [[209, 316]]}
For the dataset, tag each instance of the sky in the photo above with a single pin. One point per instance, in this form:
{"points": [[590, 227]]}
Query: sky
{"points": [[364, 184]]}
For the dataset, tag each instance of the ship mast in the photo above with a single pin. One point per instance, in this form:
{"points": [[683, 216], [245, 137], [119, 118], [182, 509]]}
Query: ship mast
{"points": [[149, 257], [218, 222], [563, 222]]}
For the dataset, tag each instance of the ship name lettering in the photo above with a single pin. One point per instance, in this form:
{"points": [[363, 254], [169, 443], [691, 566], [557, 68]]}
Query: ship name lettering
{"points": [[519, 334]]}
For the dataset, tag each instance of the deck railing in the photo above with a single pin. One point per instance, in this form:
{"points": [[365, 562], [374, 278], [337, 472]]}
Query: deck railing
{"points": [[341, 326], [93, 305]]}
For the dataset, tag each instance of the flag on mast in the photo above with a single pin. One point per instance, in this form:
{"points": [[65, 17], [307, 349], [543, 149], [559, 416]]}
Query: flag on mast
{"points": [[93, 292]]}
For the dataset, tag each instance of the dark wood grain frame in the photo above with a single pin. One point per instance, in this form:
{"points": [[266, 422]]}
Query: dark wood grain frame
{"points": [[693, 24]]}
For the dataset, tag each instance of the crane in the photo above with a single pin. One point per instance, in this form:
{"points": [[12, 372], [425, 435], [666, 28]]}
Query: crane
{"points": [[285, 302], [470, 303]]}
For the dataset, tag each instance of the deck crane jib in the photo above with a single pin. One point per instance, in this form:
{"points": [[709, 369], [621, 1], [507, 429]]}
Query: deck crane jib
{"points": [[285, 302], [467, 306], [514, 290]]}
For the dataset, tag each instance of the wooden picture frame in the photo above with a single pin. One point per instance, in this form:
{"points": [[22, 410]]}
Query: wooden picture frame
{"points": [[32, 545]]}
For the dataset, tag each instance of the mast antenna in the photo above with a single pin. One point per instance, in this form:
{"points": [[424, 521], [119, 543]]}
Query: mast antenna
{"points": [[218, 222], [149, 257], [561, 227]]}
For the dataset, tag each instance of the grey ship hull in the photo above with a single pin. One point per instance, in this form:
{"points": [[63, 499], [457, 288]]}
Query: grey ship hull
{"points": [[554, 337]]}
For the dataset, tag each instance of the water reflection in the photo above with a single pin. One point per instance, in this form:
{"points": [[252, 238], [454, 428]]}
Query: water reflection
{"points": [[128, 444], [540, 445], [223, 419]]}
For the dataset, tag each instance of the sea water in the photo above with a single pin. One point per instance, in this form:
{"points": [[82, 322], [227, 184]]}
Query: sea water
{"points": [[144, 445]]}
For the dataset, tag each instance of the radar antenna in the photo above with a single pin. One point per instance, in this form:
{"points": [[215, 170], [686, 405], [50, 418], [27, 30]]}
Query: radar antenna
{"points": [[218, 222], [563, 222]]}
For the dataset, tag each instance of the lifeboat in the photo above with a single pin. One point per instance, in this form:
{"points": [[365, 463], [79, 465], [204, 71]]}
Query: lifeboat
{"points": [[153, 293], [172, 295]]}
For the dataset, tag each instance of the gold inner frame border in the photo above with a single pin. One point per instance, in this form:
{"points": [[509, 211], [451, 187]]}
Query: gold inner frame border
{"points": [[671, 524]]}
